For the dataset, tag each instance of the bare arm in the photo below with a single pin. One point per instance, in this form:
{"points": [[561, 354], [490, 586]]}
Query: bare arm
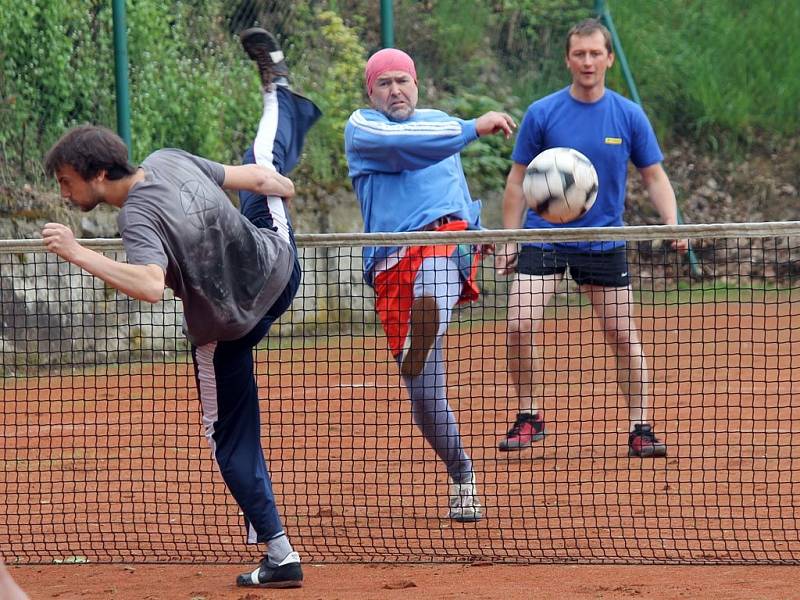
{"points": [[258, 179], [143, 282], [662, 195], [514, 207]]}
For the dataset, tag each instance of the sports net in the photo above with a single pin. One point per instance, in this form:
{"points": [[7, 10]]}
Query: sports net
{"points": [[102, 456]]}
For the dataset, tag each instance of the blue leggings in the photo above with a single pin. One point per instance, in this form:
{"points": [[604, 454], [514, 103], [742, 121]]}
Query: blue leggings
{"points": [[439, 277]]}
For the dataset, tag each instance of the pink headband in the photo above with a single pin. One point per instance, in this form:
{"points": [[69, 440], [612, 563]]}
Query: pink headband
{"points": [[388, 59]]}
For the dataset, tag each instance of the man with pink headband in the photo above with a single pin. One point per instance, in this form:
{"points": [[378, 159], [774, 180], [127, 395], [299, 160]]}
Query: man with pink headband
{"points": [[406, 172]]}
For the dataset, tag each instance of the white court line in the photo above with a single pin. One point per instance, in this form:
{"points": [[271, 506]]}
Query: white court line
{"points": [[726, 431]]}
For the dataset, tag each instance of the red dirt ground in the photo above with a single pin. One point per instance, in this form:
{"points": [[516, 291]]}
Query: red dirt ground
{"points": [[112, 467], [417, 582]]}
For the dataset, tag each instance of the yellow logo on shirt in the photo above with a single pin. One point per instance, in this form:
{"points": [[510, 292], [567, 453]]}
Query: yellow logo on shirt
{"points": [[613, 141]]}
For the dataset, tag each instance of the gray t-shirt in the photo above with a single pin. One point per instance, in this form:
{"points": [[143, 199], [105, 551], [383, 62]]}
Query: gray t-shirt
{"points": [[227, 272]]}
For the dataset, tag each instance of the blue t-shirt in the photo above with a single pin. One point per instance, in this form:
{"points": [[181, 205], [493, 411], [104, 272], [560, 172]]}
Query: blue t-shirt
{"points": [[609, 132]]}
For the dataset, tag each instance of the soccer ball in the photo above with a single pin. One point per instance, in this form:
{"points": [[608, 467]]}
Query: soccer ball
{"points": [[560, 185]]}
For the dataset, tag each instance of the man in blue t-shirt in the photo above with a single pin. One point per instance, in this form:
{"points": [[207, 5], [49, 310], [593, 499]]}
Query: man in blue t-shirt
{"points": [[610, 130]]}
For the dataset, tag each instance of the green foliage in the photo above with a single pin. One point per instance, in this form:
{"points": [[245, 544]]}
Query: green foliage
{"points": [[58, 70], [449, 43], [719, 71], [486, 161], [50, 72], [744, 290], [191, 86], [529, 42], [329, 62], [715, 70]]}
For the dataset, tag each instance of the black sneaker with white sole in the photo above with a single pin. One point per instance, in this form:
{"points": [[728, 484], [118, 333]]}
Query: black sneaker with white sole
{"points": [[288, 574]]}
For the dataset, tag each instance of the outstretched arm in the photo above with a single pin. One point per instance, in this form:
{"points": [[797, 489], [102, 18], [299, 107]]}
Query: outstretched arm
{"points": [[258, 179], [376, 144], [143, 282]]}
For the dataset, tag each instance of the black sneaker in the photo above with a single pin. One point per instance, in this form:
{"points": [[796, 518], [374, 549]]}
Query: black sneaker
{"points": [[527, 428], [288, 574], [643, 442], [262, 47]]}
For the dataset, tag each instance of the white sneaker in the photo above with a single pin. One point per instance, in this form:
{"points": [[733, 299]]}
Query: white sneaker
{"points": [[465, 507]]}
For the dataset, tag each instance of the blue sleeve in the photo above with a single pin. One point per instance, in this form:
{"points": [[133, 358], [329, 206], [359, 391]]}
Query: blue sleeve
{"points": [[374, 144], [530, 140], [644, 145]]}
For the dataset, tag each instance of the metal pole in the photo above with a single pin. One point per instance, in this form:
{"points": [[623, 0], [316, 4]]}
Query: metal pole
{"points": [[604, 15], [387, 24], [121, 72]]}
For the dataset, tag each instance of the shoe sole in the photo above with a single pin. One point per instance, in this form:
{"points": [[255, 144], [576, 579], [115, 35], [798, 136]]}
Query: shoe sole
{"points": [[465, 519], [256, 35], [424, 328], [289, 575], [514, 446], [652, 452], [276, 585]]}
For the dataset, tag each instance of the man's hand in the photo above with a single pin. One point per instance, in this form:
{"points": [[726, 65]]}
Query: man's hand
{"points": [[495, 122], [486, 249], [505, 260], [681, 246], [60, 240]]}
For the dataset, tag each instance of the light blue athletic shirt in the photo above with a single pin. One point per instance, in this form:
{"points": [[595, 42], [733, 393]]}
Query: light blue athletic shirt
{"points": [[609, 132], [407, 174]]}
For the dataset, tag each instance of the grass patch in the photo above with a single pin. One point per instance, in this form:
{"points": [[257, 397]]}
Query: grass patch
{"points": [[719, 291]]}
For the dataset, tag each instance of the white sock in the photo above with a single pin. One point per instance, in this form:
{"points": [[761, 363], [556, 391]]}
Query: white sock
{"points": [[278, 549]]}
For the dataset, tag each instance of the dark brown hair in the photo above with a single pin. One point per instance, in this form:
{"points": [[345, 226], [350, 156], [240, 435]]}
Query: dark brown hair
{"points": [[588, 27], [90, 149]]}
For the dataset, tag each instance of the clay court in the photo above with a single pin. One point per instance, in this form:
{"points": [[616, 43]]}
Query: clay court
{"points": [[111, 469]]}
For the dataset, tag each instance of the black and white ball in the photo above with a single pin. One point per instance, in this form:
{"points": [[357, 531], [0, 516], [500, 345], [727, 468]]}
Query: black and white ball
{"points": [[560, 185]]}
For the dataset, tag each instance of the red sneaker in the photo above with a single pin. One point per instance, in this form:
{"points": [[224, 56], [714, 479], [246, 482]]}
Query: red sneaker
{"points": [[643, 442], [528, 428]]}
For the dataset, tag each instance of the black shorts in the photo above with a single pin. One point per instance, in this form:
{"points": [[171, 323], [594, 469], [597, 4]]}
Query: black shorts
{"points": [[607, 268]]}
